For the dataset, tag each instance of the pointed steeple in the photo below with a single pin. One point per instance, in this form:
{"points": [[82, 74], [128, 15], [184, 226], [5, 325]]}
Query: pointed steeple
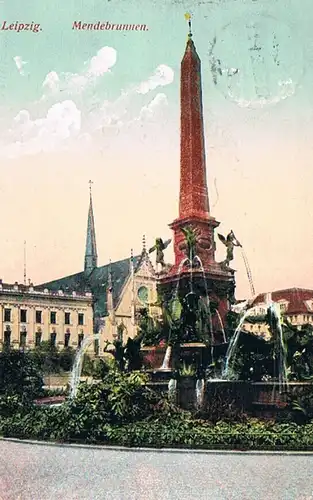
{"points": [[144, 249], [110, 305], [91, 257]]}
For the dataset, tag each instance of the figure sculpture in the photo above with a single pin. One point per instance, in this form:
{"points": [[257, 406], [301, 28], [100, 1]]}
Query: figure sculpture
{"points": [[230, 242], [159, 247], [191, 236]]}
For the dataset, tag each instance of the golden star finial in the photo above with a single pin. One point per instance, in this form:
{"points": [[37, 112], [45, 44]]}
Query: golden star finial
{"points": [[188, 18]]}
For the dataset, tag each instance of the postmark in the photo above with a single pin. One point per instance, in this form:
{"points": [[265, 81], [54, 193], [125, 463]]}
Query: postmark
{"points": [[256, 60]]}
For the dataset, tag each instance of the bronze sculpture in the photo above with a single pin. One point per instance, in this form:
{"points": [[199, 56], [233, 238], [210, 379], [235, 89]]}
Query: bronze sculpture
{"points": [[160, 246], [230, 242]]}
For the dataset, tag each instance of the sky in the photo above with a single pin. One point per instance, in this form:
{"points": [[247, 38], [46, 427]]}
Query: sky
{"points": [[104, 105]]}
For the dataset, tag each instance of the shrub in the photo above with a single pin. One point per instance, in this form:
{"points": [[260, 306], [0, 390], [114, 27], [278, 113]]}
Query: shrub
{"points": [[19, 375], [299, 408], [66, 358]]}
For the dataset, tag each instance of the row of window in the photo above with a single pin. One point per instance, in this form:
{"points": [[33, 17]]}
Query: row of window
{"points": [[262, 311], [38, 339], [53, 317], [306, 319]]}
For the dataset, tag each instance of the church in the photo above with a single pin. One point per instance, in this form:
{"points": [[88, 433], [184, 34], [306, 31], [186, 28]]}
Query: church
{"points": [[119, 289]]}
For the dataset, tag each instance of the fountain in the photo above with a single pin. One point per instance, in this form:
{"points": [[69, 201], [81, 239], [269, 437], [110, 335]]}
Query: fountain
{"points": [[172, 390], [78, 364], [200, 389], [275, 323], [233, 345]]}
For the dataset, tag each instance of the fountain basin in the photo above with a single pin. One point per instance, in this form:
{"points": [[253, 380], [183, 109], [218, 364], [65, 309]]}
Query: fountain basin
{"points": [[50, 401]]}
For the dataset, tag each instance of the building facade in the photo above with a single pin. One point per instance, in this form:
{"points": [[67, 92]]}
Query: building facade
{"points": [[138, 293], [296, 305], [119, 289], [29, 316]]}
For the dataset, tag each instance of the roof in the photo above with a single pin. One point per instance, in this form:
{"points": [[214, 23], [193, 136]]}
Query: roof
{"points": [[97, 282], [296, 298]]}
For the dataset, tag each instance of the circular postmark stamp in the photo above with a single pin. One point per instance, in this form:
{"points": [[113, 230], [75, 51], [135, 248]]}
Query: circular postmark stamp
{"points": [[256, 60]]}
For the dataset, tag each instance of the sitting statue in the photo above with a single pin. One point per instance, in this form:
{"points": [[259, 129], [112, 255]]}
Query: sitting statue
{"points": [[160, 246], [230, 242]]}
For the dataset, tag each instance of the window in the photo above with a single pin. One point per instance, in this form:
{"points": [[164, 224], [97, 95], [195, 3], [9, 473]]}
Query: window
{"points": [[38, 317], [53, 317], [23, 339], [53, 338], [7, 338], [67, 318], [7, 315], [38, 339], [80, 339], [67, 339], [283, 307], [23, 315], [80, 318]]}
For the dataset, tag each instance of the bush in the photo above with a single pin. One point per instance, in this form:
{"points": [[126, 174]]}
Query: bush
{"points": [[66, 359], [47, 358], [19, 375], [178, 430], [299, 408]]}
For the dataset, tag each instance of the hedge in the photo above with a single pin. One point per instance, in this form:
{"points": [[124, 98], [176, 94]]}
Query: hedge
{"points": [[58, 424]]}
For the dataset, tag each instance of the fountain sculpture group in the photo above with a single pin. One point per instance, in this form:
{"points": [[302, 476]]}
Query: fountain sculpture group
{"points": [[192, 316]]}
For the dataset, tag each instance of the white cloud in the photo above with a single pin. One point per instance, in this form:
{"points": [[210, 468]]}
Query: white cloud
{"points": [[102, 62], [20, 64], [61, 126], [76, 83], [152, 110], [52, 82], [62, 122], [163, 75]]}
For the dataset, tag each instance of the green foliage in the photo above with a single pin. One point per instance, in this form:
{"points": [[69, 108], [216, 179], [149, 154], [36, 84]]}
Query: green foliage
{"points": [[150, 329], [66, 358], [187, 370], [19, 375], [300, 407], [225, 403], [96, 367], [117, 399], [253, 359], [299, 351], [167, 428], [47, 358]]}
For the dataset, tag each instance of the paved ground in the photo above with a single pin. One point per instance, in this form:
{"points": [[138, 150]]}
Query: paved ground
{"points": [[37, 472]]}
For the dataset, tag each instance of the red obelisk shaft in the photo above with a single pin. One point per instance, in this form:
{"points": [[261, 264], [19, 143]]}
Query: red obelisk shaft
{"points": [[193, 198]]}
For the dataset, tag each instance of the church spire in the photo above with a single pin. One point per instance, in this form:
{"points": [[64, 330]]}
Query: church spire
{"points": [[91, 257], [193, 200]]}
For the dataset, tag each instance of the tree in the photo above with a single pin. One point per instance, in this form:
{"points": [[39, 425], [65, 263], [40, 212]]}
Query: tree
{"points": [[19, 375]]}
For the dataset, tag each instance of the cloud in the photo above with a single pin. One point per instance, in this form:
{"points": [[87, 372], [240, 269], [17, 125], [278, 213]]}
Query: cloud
{"points": [[102, 62], [63, 125], [27, 136], [52, 82], [152, 110], [163, 75], [76, 83], [19, 64]]}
